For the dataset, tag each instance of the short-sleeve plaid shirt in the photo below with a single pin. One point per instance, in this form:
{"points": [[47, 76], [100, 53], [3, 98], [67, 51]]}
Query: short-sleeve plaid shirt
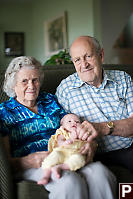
{"points": [[113, 100]]}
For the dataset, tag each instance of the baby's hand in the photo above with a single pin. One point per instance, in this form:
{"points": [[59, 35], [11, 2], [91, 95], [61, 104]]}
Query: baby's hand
{"points": [[69, 141], [73, 134], [61, 140]]}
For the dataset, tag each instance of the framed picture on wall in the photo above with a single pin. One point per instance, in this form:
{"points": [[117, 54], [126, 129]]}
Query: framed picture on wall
{"points": [[14, 43], [55, 31]]}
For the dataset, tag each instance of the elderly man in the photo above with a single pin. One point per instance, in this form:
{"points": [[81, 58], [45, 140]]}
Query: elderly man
{"points": [[103, 98]]}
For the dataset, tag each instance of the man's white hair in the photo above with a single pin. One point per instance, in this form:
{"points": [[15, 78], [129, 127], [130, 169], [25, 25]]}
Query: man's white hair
{"points": [[95, 42]]}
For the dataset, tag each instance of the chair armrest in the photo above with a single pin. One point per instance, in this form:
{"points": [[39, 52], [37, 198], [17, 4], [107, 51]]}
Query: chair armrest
{"points": [[31, 190], [6, 183]]}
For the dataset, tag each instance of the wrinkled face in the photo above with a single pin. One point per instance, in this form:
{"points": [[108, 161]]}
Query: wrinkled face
{"points": [[70, 122], [27, 85], [87, 61]]}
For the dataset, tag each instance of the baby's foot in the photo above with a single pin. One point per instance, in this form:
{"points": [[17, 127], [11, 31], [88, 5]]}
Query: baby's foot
{"points": [[46, 177], [43, 181], [57, 169]]}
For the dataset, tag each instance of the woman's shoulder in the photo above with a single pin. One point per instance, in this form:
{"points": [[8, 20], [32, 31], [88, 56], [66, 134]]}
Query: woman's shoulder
{"points": [[49, 103], [46, 96], [6, 104], [5, 109]]}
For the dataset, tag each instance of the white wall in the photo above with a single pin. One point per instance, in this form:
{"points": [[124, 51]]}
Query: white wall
{"points": [[29, 18], [103, 19], [79, 20], [114, 17]]}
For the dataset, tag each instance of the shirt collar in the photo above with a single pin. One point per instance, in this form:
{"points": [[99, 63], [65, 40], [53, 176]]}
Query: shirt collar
{"points": [[13, 103], [77, 83], [107, 77], [42, 97]]}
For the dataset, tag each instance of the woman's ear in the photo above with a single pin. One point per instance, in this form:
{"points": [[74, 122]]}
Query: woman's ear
{"points": [[102, 55]]}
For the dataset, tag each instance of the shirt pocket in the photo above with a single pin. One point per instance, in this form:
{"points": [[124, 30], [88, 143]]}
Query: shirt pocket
{"points": [[121, 107]]}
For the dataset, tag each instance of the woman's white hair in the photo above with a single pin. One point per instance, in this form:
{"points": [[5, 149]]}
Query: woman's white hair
{"points": [[15, 65]]}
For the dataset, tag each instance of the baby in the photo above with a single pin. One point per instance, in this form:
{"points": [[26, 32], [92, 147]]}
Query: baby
{"points": [[64, 149]]}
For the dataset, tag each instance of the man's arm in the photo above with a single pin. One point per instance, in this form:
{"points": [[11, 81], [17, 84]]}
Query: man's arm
{"points": [[122, 128]]}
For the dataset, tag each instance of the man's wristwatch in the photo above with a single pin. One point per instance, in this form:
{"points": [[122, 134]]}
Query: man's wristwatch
{"points": [[110, 125]]}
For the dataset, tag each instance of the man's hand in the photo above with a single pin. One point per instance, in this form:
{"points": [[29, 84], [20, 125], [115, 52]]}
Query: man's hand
{"points": [[86, 131], [89, 150]]}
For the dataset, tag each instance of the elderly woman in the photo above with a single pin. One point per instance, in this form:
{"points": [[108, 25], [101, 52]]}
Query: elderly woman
{"points": [[28, 119]]}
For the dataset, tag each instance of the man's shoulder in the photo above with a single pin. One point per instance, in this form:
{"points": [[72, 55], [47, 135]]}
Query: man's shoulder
{"points": [[117, 74], [113, 72], [68, 81]]}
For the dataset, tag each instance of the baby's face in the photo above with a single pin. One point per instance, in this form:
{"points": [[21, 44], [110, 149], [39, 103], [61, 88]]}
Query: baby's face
{"points": [[71, 122]]}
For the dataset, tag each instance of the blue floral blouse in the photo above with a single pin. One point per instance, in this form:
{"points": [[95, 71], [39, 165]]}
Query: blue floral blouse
{"points": [[29, 132]]}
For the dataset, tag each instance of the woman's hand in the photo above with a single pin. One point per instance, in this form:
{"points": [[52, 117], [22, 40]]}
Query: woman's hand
{"points": [[86, 131], [89, 150], [33, 160]]}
